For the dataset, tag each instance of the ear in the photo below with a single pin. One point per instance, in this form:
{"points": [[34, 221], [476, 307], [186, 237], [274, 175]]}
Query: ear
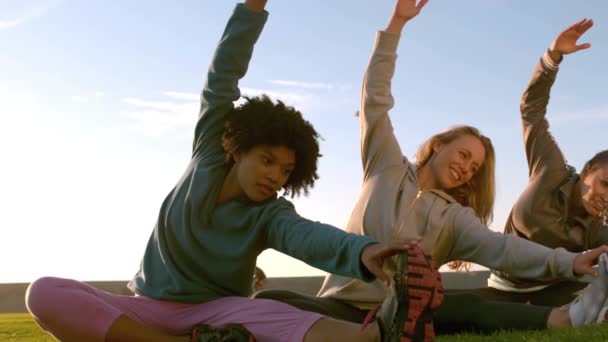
{"points": [[237, 155], [436, 146]]}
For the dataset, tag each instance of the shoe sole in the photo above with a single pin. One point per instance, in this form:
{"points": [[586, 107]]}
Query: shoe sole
{"points": [[419, 292]]}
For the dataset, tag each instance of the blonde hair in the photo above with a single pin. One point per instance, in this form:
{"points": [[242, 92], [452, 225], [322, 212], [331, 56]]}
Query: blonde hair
{"points": [[479, 192]]}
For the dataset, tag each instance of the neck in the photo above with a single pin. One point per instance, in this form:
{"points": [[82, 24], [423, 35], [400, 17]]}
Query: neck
{"points": [[425, 179], [230, 188], [576, 204]]}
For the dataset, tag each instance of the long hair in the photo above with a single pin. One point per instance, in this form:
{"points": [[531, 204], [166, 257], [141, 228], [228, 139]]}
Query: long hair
{"points": [[480, 191]]}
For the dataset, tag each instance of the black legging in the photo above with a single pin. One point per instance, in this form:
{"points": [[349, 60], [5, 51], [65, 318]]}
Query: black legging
{"points": [[554, 295], [460, 312]]}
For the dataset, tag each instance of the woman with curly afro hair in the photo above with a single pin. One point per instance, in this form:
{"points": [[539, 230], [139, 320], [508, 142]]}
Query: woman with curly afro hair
{"points": [[196, 273]]}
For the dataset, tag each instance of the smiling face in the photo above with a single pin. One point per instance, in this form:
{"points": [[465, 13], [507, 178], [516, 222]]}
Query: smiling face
{"points": [[593, 187], [263, 170], [454, 163]]}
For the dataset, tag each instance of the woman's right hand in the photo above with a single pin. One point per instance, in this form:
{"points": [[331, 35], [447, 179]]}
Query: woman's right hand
{"points": [[584, 262], [566, 42], [404, 11]]}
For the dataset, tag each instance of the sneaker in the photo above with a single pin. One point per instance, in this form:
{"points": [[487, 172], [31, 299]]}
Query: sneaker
{"points": [[601, 317], [407, 313], [226, 333], [590, 306]]}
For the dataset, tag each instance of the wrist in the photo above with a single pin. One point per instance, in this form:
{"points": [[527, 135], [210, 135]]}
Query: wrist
{"points": [[556, 56], [395, 24]]}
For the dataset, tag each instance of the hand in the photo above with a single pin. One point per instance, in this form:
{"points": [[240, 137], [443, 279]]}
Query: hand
{"points": [[584, 262], [256, 5], [565, 43], [373, 256], [404, 11], [259, 279]]}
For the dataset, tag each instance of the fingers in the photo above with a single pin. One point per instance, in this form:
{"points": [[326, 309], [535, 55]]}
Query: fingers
{"points": [[376, 269], [589, 270], [583, 25], [582, 46], [591, 258], [395, 247], [598, 251], [421, 5]]}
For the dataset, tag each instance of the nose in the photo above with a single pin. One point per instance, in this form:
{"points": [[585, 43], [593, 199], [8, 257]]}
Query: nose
{"points": [[274, 174], [604, 197]]}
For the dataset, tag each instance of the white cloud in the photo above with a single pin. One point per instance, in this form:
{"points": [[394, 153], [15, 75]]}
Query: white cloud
{"points": [[4, 24], [298, 100], [26, 11], [584, 116], [183, 96], [304, 85], [179, 110], [78, 98], [156, 118]]}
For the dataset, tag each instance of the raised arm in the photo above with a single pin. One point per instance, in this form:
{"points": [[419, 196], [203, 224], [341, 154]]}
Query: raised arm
{"points": [[543, 153], [379, 146], [228, 66]]}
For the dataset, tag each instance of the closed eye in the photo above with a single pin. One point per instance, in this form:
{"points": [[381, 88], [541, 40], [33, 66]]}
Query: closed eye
{"points": [[266, 159]]}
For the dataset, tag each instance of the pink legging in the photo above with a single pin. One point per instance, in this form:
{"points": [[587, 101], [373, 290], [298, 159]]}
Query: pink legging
{"points": [[63, 304]]}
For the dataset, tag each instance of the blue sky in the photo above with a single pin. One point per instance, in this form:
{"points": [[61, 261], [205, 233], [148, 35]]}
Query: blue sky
{"points": [[98, 101]]}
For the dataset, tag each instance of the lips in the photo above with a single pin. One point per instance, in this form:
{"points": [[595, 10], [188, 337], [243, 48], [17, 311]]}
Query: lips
{"points": [[455, 174], [597, 205], [266, 190]]}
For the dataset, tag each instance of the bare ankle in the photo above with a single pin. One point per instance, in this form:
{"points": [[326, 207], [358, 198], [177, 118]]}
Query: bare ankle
{"points": [[559, 318]]}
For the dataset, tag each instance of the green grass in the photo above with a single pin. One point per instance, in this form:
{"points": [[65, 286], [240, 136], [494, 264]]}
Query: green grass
{"points": [[21, 327], [586, 334]]}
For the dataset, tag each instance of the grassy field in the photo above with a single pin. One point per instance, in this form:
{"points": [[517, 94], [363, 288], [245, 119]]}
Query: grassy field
{"points": [[20, 327]]}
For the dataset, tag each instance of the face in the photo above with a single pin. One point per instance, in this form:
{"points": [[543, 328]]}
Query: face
{"points": [[456, 162], [594, 190], [263, 170]]}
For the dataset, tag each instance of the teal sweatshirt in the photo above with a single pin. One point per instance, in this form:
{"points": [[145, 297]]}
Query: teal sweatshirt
{"points": [[199, 252]]}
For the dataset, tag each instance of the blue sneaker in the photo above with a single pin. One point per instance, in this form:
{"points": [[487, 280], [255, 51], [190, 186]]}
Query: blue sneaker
{"points": [[590, 306]]}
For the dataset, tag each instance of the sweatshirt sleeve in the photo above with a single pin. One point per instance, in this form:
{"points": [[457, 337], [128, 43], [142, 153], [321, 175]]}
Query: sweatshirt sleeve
{"points": [[519, 257], [542, 151], [379, 146], [320, 245], [229, 64]]}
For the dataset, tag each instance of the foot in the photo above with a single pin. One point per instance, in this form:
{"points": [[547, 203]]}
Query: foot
{"points": [[226, 333], [591, 305], [406, 314]]}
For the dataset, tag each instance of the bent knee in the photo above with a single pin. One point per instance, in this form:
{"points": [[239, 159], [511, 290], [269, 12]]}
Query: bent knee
{"points": [[41, 293]]}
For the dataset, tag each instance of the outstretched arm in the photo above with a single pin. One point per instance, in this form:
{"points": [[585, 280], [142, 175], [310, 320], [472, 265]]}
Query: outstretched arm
{"points": [[472, 241], [228, 66], [542, 151], [379, 147]]}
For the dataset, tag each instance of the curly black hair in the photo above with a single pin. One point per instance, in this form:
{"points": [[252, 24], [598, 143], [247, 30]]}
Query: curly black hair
{"points": [[260, 121]]}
